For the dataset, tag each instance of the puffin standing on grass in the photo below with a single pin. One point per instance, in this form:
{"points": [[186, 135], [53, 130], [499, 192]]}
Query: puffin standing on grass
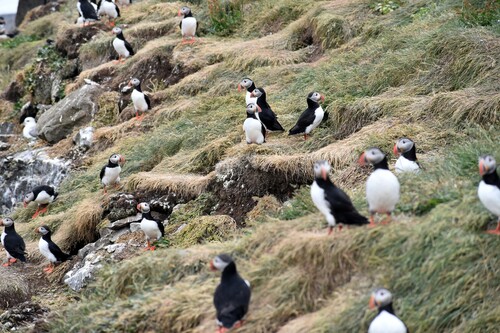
{"points": [[266, 116], [12, 242], [110, 9], [249, 85], [121, 46], [43, 195], [87, 11], [489, 188], [382, 186], [110, 173], [188, 25], [407, 162], [331, 201], [255, 131], [49, 249], [311, 117], [153, 229], [386, 321], [141, 100], [232, 295]]}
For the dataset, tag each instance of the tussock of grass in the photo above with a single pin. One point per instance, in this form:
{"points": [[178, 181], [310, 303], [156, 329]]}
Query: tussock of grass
{"points": [[13, 289], [204, 229], [186, 186]]}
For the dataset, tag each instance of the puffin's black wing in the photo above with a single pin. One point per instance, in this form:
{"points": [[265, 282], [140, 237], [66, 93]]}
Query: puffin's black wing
{"points": [[263, 130], [268, 117], [129, 48], [306, 118], [103, 171], [14, 244], [231, 300], [161, 227], [342, 208], [99, 4], [117, 10], [44, 188], [148, 102], [325, 117], [88, 10], [57, 252]]}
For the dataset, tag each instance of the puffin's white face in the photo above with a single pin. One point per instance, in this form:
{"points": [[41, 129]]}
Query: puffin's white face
{"points": [[246, 83], [134, 82], [116, 30], [184, 11], [7, 222], [143, 207], [29, 121], [220, 262], [252, 108], [403, 145], [28, 198], [256, 93], [380, 297], [116, 159], [321, 169], [317, 97], [43, 230], [487, 165], [372, 156]]}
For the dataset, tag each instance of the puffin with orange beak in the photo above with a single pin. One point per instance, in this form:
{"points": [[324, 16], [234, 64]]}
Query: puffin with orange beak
{"points": [[43, 195], [311, 117], [232, 295], [489, 188], [188, 25], [255, 131], [249, 86], [386, 321], [139, 99], [407, 161], [331, 201], [121, 46], [110, 173], [49, 249], [267, 115], [382, 186], [13, 243], [153, 229]]}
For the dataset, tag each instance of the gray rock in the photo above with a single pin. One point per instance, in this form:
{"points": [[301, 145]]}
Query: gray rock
{"points": [[84, 137], [104, 232], [123, 223], [76, 109], [6, 131], [4, 146], [77, 278], [118, 234], [136, 226], [93, 247], [116, 248]]}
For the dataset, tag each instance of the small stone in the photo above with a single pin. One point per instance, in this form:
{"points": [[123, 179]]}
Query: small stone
{"points": [[136, 226], [120, 224], [118, 234]]}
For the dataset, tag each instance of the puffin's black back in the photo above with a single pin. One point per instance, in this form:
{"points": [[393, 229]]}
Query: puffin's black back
{"points": [[492, 179], [267, 116], [88, 10], [54, 249], [306, 118], [14, 244], [47, 189], [411, 154]]}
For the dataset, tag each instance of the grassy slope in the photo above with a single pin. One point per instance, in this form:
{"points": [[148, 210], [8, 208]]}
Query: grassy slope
{"points": [[415, 72]]}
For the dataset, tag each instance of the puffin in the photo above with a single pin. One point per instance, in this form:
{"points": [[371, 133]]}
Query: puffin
{"points": [[141, 100], [489, 188], [188, 25], [386, 321], [382, 186], [110, 9], [153, 229], [232, 295], [331, 201], [122, 47], [29, 131], [49, 249], [43, 195], [407, 162], [12, 242], [249, 85], [110, 173], [267, 116], [311, 117], [87, 11], [255, 131]]}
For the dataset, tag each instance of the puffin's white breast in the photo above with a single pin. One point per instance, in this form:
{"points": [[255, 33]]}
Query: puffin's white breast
{"points": [[318, 197], [490, 197], [139, 101], [405, 165], [382, 191], [3, 238], [188, 27], [120, 48], [385, 322], [43, 198], [109, 9], [111, 175], [253, 131], [318, 117], [43, 245], [26, 131], [249, 99], [150, 229]]}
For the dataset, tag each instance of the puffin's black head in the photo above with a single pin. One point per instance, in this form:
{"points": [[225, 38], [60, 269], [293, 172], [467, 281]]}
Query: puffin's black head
{"points": [[402, 146], [245, 83], [316, 97], [43, 230], [117, 159], [321, 169], [220, 262], [258, 92], [116, 31], [184, 11], [252, 109], [372, 156], [487, 165], [28, 198], [135, 82], [6, 222], [143, 207], [380, 298]]}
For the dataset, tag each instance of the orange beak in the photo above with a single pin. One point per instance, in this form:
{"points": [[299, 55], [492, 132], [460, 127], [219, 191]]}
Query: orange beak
{"points": [[122, 159], [396, 150], [259, 109], [1, 223], [25, 204], [239, 86], [362, 160], [179, 13], [37, 230], [372, 304], [251, 94], [482, 168], [212, 266], [322, 98], [138, 207], [324, 175], [130, 84]]}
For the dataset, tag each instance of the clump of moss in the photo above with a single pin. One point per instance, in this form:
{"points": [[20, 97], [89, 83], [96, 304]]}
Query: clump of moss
{"points": [[108, 109]]}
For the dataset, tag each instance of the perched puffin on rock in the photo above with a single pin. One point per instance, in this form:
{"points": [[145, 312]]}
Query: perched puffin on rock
{"points": [[232, 295], [249, 85], [29, 131], [382, 186], [110, 9], [489, 188], [87, 11], [255, 131], [110, 173], [141, 100], [407, 162], [43, 195], [12, 242], [153, 229], [266, 116], [311, 117], [188, 25], [331, 201], [386, 321], [49, 249], [121, 46]]}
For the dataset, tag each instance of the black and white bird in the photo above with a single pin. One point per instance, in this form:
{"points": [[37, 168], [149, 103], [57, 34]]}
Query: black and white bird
{"points": [[232, 295], [110, 173], [121, 46], [153, 229], [331, 201], [49, 249], [255, 132], [29, 131], [311, 117], [188, 25], [407, 162], [489, 188], [110, 9], [12, 242], [43, 195], [266, 116], [249, 86], [87, 11], [139, 99], [382, 186], [386, 321]]}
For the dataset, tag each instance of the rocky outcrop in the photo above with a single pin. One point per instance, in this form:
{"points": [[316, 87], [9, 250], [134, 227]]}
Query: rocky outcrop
{"points": [[69, 41], [75, 110]]}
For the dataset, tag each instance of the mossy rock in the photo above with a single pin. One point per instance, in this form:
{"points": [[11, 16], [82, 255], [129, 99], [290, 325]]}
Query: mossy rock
{"points": [[108, 109], [215, 228]]}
